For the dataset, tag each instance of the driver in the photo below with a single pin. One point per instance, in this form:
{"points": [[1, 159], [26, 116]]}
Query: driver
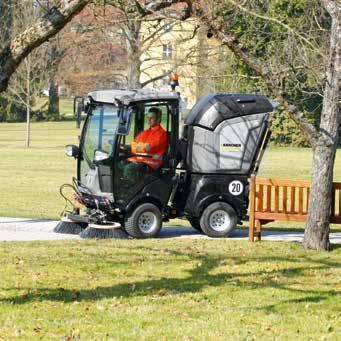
{"points": [[148, 147]]}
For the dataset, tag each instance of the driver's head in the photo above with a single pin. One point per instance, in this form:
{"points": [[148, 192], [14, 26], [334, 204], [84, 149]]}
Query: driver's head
{"points": [[154, 116]]}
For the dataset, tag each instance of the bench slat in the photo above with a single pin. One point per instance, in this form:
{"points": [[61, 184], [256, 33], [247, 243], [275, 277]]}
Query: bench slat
{"points": [[292, 199], [284, 199], [276, 198], [300, 200], [284, 182], [333, 202], [268, 198], [260, 198], [280, 216]]}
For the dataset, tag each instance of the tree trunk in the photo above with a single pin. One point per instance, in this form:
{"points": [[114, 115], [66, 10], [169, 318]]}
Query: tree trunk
{"points": [[55, 58], [28, 101], [53, 109], [316, 234], [133, 55], [134, 69]]}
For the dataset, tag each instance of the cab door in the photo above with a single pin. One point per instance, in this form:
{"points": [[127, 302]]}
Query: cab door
{"points": [[98, 138], [133, 180]]}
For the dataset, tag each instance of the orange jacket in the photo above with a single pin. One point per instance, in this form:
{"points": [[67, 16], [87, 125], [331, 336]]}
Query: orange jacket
{"points": [[153, 143]]}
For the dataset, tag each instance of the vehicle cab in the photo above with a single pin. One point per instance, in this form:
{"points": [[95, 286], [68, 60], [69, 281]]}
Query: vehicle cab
{"points": [[114, 119]]}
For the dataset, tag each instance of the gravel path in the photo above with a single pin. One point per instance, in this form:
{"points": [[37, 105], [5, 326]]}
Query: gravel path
{"points": [[17, 229]]}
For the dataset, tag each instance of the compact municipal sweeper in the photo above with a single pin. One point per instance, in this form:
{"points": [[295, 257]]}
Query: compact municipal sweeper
{"points": [[202, 175]]}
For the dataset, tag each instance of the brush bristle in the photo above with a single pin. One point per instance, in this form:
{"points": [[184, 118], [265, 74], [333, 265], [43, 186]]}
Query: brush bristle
{"points": [[69, 228], [91, 232]]}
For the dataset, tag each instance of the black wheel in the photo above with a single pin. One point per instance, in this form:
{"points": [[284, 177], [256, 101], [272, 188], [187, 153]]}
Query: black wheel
{"points": [[144, 222], [195, 223], [218, 220]]}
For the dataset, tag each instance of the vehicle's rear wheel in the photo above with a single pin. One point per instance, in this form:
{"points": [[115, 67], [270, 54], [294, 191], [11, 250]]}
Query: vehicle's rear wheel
{"points": [[218, 220], [195, 223], [144, 221]]}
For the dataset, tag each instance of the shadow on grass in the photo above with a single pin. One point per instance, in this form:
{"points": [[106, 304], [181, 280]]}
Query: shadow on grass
{"points": [[195, 280]]}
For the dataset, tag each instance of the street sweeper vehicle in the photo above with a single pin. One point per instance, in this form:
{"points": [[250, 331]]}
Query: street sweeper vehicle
{"points": [[202, 175]]}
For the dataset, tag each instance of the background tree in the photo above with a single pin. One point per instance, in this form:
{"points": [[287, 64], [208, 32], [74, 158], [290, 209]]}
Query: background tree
{"points": [[54, 19], [29, 79], [139, 35], [55, 54], [323, 138], [294, 63], [49, 24], [94, 57]]}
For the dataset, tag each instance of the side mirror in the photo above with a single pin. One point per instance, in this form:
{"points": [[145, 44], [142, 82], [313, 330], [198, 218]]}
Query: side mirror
{"points": [[72, 150], [100, 155], [125, 120]]}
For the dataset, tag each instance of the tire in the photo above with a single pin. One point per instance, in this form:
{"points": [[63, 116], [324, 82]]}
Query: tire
{"points": [[144, 221], [218, 220], [195, 223]]}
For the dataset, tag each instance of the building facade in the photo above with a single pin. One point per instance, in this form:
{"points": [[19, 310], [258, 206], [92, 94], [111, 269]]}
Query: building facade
{"points": [[183, 48]]}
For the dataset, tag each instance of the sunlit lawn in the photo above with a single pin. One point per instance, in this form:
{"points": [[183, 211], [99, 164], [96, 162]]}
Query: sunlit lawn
{"points": [[174, 290], [153, 290]]}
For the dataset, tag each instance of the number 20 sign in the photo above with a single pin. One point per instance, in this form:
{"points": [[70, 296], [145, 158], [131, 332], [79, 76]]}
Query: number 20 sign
{"points": [[236, 187]]}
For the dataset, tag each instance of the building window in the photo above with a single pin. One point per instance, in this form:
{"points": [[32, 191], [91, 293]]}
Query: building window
{"points": [[167, 51], [168, 26]]}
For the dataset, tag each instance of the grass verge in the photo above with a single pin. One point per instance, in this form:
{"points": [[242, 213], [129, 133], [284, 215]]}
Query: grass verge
{"points": [[177, 290]]}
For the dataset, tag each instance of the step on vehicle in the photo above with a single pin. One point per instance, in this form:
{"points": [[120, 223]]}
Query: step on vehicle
{"points": [[204, 174]]}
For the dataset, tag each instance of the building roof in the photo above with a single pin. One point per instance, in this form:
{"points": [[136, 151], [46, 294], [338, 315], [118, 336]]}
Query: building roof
{"points": [[130, 96]]}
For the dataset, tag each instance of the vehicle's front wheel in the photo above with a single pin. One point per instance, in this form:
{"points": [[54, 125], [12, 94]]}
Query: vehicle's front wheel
{"points": [[218, 220], [144, 221]]}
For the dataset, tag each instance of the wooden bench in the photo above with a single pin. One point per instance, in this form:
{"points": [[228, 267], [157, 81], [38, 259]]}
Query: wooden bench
{"points": [[283, 200]]}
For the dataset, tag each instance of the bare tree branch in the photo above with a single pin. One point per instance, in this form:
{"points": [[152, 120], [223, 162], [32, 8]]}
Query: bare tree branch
{"points": [[223, 33], [280, 23], [50, 24]]}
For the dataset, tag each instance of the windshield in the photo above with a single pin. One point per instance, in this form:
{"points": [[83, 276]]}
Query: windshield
{"points": [[100, 130]]}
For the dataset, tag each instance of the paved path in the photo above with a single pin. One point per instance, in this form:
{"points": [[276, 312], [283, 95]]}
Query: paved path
{"points": [[16, 229]]}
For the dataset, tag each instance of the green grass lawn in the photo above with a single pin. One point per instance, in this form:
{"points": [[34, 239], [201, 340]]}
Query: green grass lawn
{"points": [[30, 178], [174, 290], [152, 289]]}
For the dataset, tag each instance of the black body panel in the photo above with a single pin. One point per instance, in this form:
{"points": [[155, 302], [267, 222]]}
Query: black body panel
{"points": [[157, 191], [202, 190]]}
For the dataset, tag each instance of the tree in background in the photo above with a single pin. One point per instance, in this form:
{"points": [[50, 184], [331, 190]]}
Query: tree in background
{"points": [[138, 35], [48, 25], [5, 22], [55, 54], [282, 44], [94, 57], [323, 138], [54, 19]]}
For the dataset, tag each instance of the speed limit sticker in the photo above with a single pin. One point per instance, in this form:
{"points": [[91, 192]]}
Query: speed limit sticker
{"points": [[236, 187]]}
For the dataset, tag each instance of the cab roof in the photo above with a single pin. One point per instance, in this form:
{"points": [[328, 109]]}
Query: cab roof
{"points": [[130, 96], [212, 109]]}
